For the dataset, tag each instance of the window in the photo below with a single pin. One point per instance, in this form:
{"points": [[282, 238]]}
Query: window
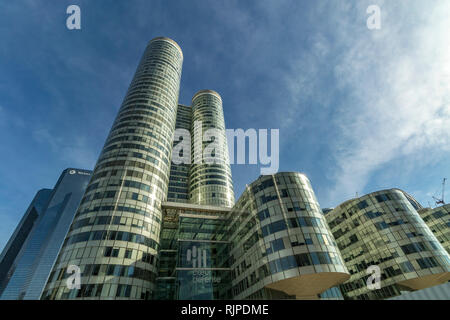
{"points": [[274, 227], [96, 270], [277, 245], [406, 267], [314, 258], [413, 247], [264, 214], [372, 215], [383, 197], [438, 214], [110, 270], [110, 194], [123, 290], [288, 263], [303, 260], [353, 238], [147, 257], [363, 204], [111, 252], [381, 225], [324, 258], [425, 263]]}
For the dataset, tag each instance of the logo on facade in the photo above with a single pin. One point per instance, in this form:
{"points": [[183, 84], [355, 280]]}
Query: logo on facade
{"points": [[196, 257], [72, 172]]}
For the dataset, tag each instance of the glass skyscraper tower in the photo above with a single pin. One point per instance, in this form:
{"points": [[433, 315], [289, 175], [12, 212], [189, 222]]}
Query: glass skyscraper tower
{"points": [[210, 180], [56, 209], [17, 242], [114, 238]]}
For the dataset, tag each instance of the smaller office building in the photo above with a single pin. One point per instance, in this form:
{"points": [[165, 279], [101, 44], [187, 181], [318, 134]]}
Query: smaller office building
{"points": [[31, 269], [384, 230]]}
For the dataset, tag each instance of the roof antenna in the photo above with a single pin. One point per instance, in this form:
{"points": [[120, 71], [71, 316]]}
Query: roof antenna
{"points": [[441, 200]]}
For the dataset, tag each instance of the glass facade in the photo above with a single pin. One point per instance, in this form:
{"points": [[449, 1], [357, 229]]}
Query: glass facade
{"points": [[274, 244], [281, 245], [115, 236], [149, 228], [194, 253], [438, 219], [179, 173], [46, 238], [210, 181], [16, 244], [384, 229]]}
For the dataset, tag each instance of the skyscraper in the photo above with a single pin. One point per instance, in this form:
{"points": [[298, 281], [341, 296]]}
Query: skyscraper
{"points": [[33, 267], [210, 180], [17, 241], [118, 223], [149, 227], [179, 172]]}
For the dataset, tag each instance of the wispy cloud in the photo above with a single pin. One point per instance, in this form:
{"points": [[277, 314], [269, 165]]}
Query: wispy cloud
{"points": [[71, 149], [398, 84]]}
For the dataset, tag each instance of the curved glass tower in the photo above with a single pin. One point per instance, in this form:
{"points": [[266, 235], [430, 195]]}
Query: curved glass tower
{"points": [[383, 229], [281, 245], [210, 180], [114, 238]]}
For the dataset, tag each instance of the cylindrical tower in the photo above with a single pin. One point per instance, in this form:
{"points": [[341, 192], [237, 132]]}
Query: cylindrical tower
{"points": [[210, 180], [114, 238], [282, 246]]}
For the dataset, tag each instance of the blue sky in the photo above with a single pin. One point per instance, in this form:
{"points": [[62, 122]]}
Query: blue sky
{"points": [[358, 109]]}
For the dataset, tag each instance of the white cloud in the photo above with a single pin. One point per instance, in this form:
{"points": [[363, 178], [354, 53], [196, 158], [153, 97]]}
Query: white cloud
{"points": [[399, 85]]}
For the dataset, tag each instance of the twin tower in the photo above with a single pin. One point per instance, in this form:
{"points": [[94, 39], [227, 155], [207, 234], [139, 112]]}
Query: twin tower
{"points": [[134, 176]]}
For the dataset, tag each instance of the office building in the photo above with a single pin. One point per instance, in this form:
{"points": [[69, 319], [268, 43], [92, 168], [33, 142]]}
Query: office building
{"points": [[118, 223], [149, 227], [439, 292], [133, 177], [383, 229], [32, 268], [194, 255], [179, 172], [210, 180], [273, 244], [438, 219], [282, 246], [16, 243]]}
